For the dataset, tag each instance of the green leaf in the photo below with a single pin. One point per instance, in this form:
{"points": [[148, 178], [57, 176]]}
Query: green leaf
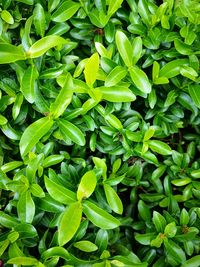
{"points": [[41, 46], [115, 76], [7, 220], [91, 69], [63, 99], [59, 192], [114, 5], [27, 261], [117, 94], [175, 254], [159, 222], [194, 92], [99, 217], [170, 230], [3, 120], [113, 199], [192, 262], [39, 20], [33, 134], [137, 49], [85, 246], [182, 48], [144, 211], [87, 185], [69, 223], [69, 130], [149, 133], [28, 83], [171, 98], [159, 147], [124, 47], [65, 11], [172, 68], [140, 79], [114, 121], [10, 53], [188, 72], [52, 160], [7, 17], [145, 239], [37, 191], [184, 217], [26, 207]]}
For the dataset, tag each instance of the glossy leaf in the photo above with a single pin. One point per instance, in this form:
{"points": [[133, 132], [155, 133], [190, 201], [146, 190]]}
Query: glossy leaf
{"points": [[41, 46], [10, 53], [63, 98], [28, 83], [85, 246], [124, 47], [194, 93], [65, 11], [39, 20], [33, 134], [26, 207], [87, 185], [99, 217], [113, 199], [69, 130], [91, 69], [117, 94], [69, 223], [115, 76], [140, 79], [159, 147]]}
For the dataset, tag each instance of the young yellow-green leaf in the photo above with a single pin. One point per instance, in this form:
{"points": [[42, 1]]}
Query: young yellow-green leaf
{"points": [[99, 217], [182, 48], [3, 120], [195, 173], [160, 147], [140, 79], [188, 72], [170, 230], [114, 121], [159, 222], [71, 131], [194, 91], [41, 46], [39, 19], [114, 5], [37, 191], [91, 69], [137, 49], [10, 53], [63, 99], [85, 246], [52, 160], [155, 71], [101, 164], [115, 76], [4, 245], [113, 199], [101, 50], [149, 133], [11, 166], [87, 185], [117, 94], [7, 17], [124, 47], [28, 83], [26, 207], [192, 262], [69, 223], [33, 134], [59, 192], [17, 105], [65, 11], [171, 98], [27, 261], [172, 68]]}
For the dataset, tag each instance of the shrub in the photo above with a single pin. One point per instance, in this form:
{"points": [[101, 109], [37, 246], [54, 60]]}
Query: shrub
{"points": [[99, 143]]}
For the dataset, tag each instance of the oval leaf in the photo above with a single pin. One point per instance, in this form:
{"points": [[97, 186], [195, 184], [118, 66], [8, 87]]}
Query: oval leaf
{"points": [[160, 147], [91, 69], [140, 79], [28, 83], [113, 199], [85, 246], [69, 223], [65, 11], [33, 134], [87, 185], [99, 217]]}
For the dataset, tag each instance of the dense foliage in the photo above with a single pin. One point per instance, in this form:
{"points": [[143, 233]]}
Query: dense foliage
{"points": [[99, 140]]}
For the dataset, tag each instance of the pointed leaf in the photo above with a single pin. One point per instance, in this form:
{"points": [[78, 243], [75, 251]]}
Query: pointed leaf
{"points": [[69, 223], [10, 53], [117, 94], [115, 76], [113, 199], [87, 185], [140, 79], [41, 46], [91, 69], [137, 49], [33, 134], [85, 246], [39, 20], [26, 207], [124, 47], [59, 192], [194, 91], [114, 5], [28, 83], [160, 147], [63, 99], [69, 130], [65, 11], [27, 261], [172, 68], [99, 217]]}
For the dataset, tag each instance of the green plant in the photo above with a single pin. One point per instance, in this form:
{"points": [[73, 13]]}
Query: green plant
{"points": [[99, 143]]}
